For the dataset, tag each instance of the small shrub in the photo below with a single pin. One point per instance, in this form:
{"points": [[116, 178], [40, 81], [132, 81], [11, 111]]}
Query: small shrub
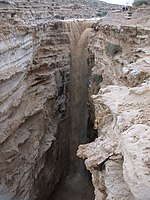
{"points": [[57, 16], [112, 49], [97, 78], [104, 13], [101, 14], [62, 17]]}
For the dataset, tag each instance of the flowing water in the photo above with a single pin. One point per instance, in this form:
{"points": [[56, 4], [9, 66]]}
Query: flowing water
{"points": [[77, 185], [79, 33]]}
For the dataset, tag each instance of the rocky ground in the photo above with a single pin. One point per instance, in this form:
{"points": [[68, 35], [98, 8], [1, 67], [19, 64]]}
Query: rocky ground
{"points": [[119, 158], [35, 62]]}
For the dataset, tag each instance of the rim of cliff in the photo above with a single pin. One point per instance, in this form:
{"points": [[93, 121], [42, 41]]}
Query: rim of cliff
{"points": [[135, 16]]}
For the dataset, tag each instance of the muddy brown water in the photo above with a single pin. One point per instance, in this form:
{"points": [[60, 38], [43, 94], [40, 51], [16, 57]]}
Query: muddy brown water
{"points": [[77, 186]]}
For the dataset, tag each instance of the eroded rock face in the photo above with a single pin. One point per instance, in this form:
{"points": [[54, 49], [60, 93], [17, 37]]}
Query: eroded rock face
{"points": [[59, 9], [135, 147], [34, 103], [119, 158], [34, 95]]}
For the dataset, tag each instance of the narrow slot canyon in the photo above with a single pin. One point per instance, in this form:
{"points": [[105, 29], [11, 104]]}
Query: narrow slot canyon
{"points": [[55, 103], [74, 101], [77, 184], [75, 181]]}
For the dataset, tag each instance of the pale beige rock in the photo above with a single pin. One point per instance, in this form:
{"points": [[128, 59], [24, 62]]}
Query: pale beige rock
{"points": [[34, 103], [122, 114], [135, 147], [34, 96]]}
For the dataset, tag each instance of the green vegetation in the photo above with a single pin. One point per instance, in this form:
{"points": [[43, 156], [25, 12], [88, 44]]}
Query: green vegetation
{"points": [[101, 14], [59, 17], [97, 78], [141, 2], [112, 49]]}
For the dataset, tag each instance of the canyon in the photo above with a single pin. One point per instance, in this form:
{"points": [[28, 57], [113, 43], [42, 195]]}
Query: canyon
{"points": [[74, 95]]}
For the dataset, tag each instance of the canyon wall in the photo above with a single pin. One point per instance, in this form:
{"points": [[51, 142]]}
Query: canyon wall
{"points": [[34, 108], [119, 158], [37, 139]]}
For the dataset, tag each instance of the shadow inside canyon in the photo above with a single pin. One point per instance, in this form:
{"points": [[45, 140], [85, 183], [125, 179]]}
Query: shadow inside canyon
{"points": [[74, 187]]}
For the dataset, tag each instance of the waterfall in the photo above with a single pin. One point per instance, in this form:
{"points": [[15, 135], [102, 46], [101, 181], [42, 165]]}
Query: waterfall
{"points": [[76, 185], [78, 33]]}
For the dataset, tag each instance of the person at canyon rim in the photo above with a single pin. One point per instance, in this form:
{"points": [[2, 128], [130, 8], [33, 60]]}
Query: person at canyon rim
{"points": [[125, 8]]}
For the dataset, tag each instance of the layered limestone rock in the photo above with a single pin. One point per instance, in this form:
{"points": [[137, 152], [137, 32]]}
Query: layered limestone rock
{"points": [[34, 104], [34, 95], [59, 9], [119, 158]]}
